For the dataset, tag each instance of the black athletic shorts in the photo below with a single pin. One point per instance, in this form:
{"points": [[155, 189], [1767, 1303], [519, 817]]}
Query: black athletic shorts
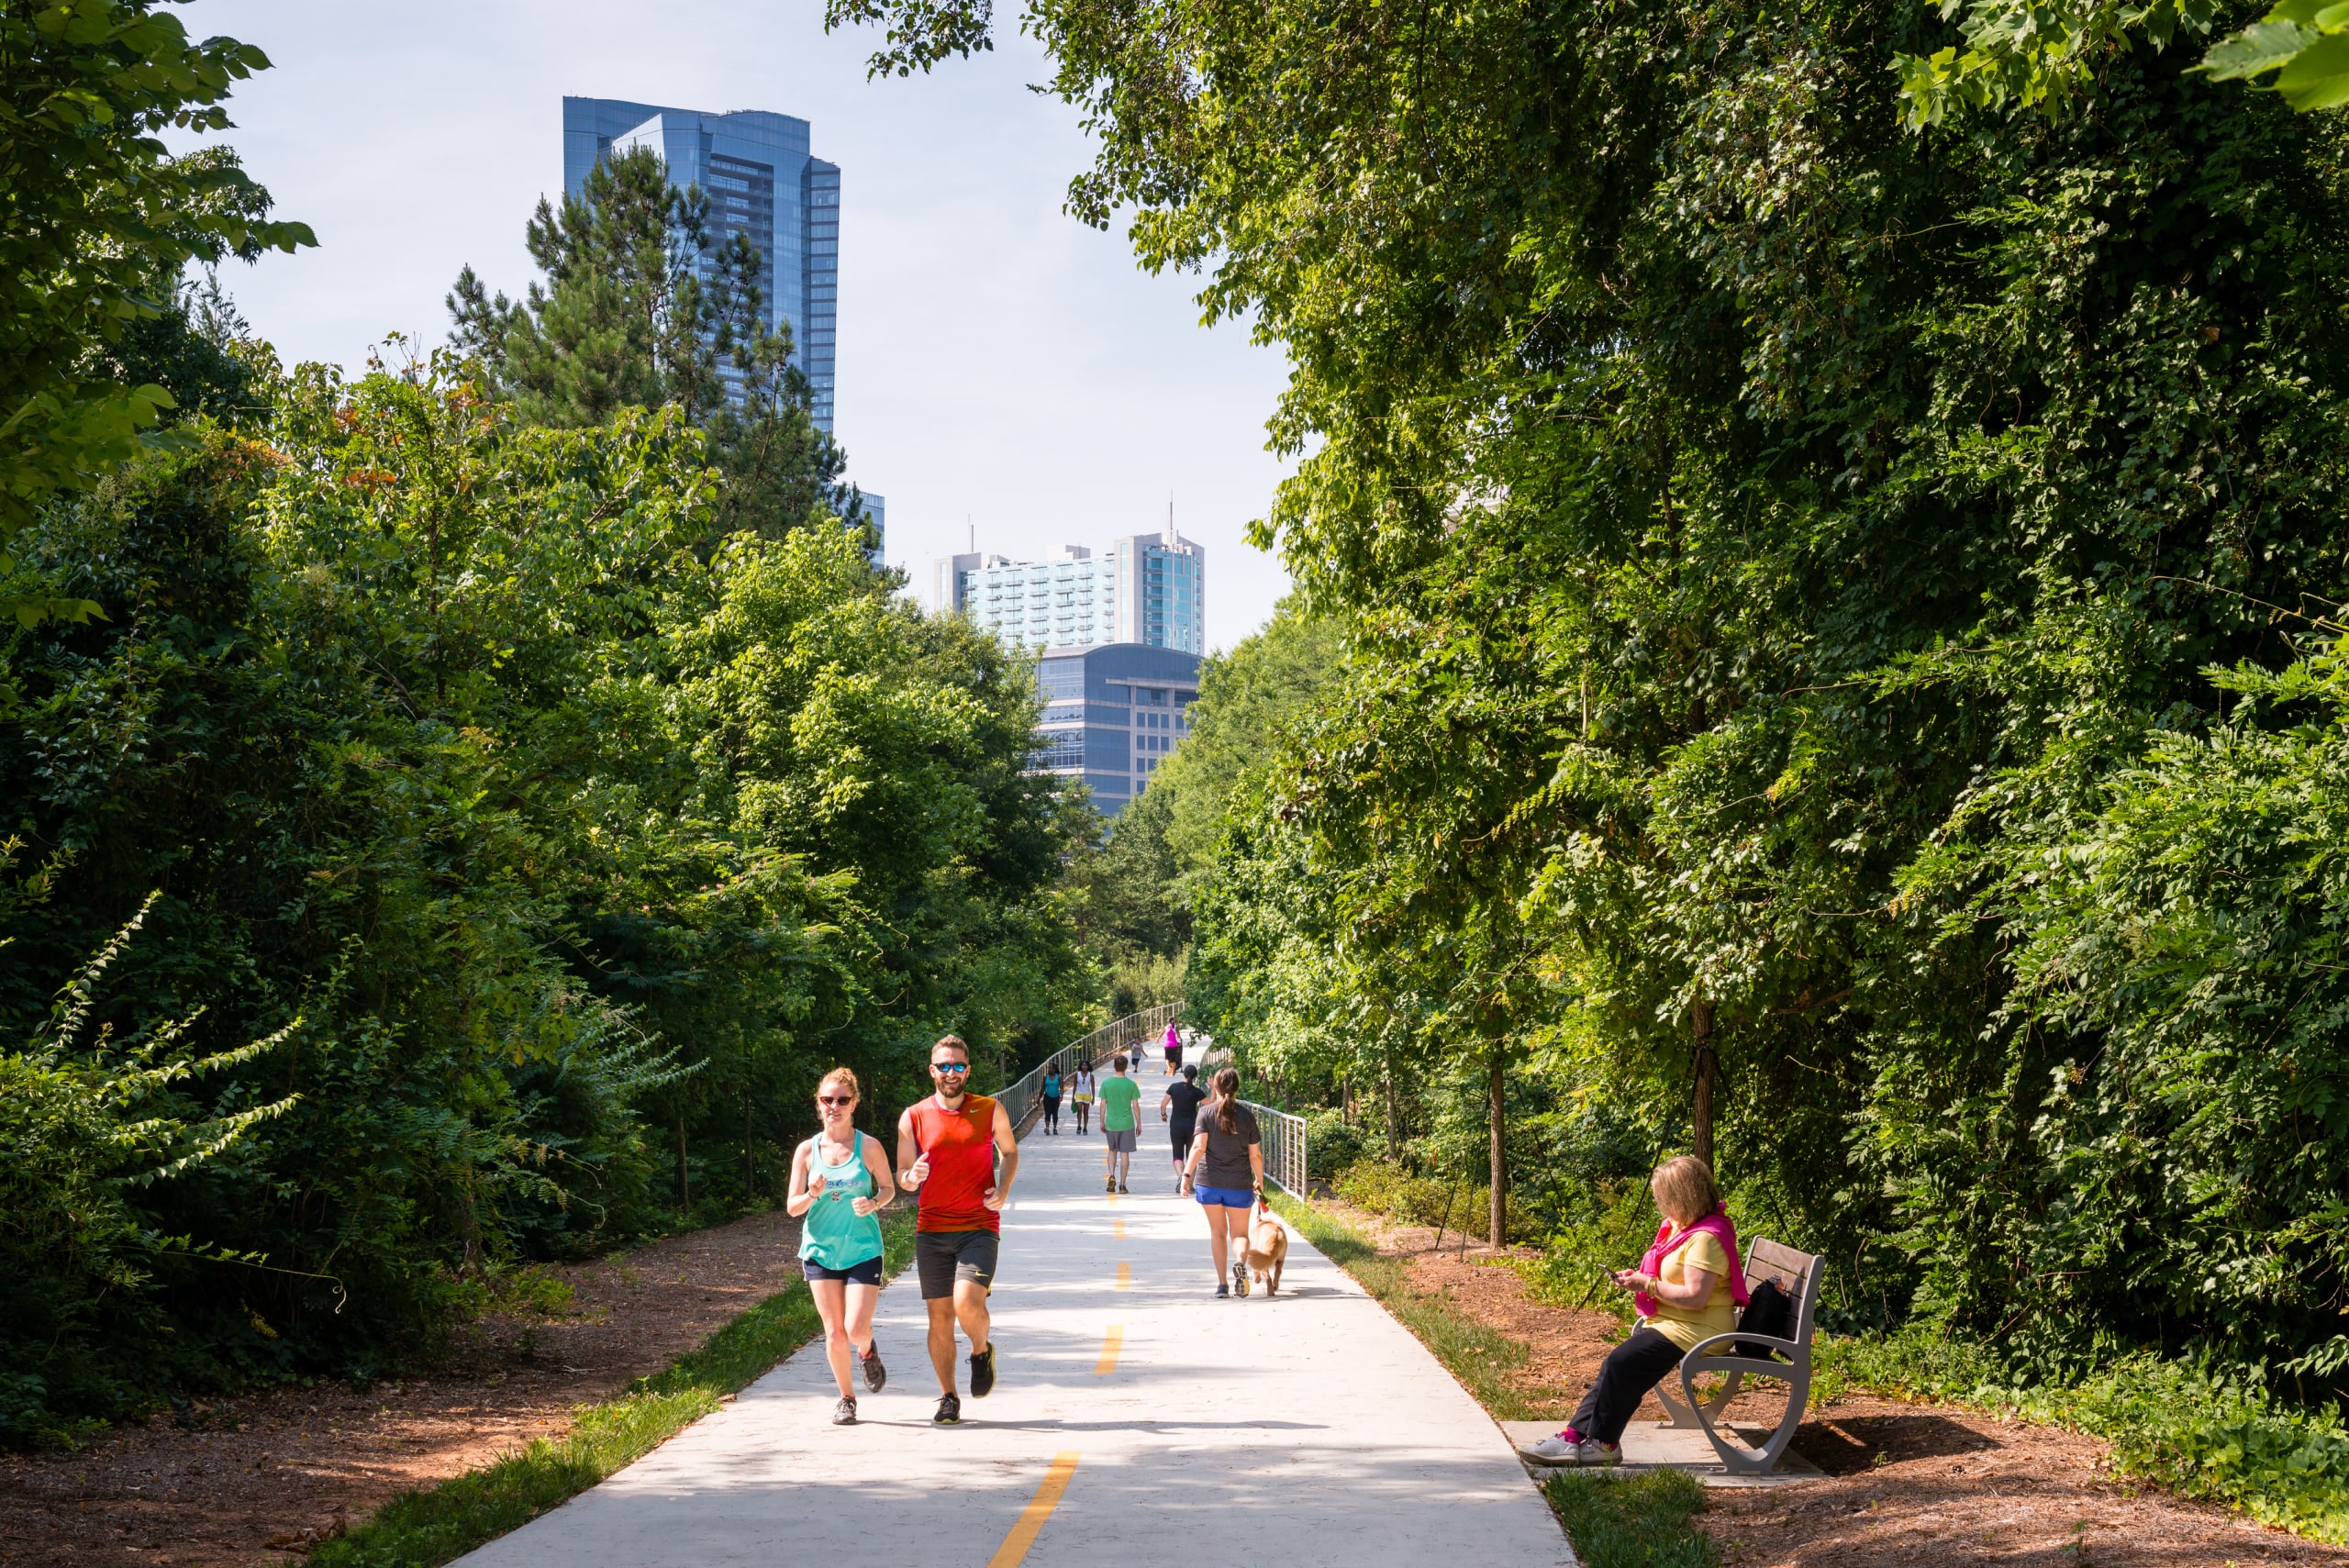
{"points": [[942, 1257], [1180, 1139], [865, 1273]]}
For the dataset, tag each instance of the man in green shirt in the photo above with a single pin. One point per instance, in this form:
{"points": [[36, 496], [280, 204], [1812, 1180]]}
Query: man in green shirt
{"points": [[1119, 1123]]}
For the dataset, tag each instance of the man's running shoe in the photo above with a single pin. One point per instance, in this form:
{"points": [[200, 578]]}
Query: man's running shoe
{"points": [[844, 1413], [1109, 1184], [1240, 1279], [1222, 1291], [982, 1374], [877, 1376], [950, 1411], [1123, 1188]]}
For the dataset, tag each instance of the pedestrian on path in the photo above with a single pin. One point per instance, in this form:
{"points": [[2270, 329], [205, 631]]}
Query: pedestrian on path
{"points": [[1226, 1172], [1687, 1289], [1080, 1097], [1051, 1102], [840, 1182], [1179, 1109], [957, 1150], [1173, 1051], [1121, 1124]]}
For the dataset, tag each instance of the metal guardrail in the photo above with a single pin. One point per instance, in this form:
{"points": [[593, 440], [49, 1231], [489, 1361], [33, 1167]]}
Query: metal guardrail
{"points": [[1283, 1138], [1128, 1034]]}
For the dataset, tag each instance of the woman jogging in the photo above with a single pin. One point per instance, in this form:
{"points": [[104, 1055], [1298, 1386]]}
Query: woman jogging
{"points": [[840, 1180], [1227, 1175], [1080, 1095], [1173, 1051], [1687, 1289], [1051, 1102]]}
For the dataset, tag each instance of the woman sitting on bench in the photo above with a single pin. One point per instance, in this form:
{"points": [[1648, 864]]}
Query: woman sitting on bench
{"points": [[1687, 1289]]}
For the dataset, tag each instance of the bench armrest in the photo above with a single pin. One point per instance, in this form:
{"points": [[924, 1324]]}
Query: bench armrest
{"points": [[1740, 1338]]}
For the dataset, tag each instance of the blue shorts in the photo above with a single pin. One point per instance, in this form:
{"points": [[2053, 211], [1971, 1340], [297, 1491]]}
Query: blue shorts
{"points": [[1229, 1197]]}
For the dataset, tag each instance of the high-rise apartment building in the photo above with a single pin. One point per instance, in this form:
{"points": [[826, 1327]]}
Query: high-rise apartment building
{"points": [[1149, 588], [763, 183]]}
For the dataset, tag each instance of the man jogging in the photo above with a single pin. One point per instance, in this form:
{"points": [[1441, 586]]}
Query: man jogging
{"points": [[1119, 1123], [1182, 1101], [957, 1150]]}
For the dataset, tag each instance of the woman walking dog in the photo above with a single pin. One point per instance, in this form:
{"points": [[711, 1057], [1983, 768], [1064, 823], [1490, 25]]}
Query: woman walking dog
{"points": [[1226, 1172], [839, 1181], [1687, 1289]]}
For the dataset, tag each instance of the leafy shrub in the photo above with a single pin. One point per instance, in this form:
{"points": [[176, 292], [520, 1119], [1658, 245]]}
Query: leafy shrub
{"points": [[1385, 1187], [1331, 1144]]}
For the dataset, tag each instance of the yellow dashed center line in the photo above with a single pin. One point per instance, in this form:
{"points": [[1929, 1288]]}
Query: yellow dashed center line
{"points": [[1117, 1228], [1014, 1550], [1125, 1276], [1110, 1342]]}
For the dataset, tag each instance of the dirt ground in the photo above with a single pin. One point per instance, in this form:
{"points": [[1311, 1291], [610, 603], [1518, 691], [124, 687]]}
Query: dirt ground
{"points": [[1906, 1484], [260, 1480]]}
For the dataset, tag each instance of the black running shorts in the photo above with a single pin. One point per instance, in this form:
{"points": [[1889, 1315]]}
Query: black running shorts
{"points": [[944, 1257]]}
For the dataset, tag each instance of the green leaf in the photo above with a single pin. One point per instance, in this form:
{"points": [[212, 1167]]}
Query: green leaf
{"points": [[2262, 46], [2317, 78]]}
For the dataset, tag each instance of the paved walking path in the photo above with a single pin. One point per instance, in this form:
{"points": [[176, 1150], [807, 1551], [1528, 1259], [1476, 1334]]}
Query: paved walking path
{"points": [[1137, 1422]]}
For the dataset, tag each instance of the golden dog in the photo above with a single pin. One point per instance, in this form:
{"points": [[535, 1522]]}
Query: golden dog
{"points": [[1267, 1250]]}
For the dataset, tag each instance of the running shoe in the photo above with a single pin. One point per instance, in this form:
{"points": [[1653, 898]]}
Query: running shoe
{"points": [[1109, 1184], [950, 1411], [1557, 1450], [877, 1376], [1123, 1188], [844, 1413], [1222, 1291], [982, 1374], [1240, 1279]]}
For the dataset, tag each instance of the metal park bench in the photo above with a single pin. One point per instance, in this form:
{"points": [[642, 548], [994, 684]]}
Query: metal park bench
{"points": [[1797, 1274]]}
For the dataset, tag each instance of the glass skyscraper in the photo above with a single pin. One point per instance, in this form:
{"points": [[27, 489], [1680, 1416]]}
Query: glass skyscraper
{"points": [[762, 182], [1113, 714]]}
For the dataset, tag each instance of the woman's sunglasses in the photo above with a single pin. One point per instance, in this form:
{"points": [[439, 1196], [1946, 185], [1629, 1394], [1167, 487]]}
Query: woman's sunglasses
{"points": [[836, 1099]]}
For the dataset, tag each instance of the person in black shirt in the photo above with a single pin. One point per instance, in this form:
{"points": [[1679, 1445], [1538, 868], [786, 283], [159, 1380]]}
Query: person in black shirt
{"points": [[1179, 1109]]}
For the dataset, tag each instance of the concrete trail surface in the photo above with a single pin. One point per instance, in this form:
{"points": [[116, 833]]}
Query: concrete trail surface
{"points": [[1136, 1422]]}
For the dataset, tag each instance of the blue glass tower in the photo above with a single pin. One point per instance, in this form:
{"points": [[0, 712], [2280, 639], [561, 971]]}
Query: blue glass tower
{"points": [[762, 182]]}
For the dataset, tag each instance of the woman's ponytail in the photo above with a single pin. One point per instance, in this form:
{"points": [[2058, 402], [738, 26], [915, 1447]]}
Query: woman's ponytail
{"points": [[1227, 1101]]}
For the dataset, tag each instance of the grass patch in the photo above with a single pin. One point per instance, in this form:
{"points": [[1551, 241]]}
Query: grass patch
{"points": [[1474, 1355], [2185, 1427], [427, 1528], [1633, 1521]]}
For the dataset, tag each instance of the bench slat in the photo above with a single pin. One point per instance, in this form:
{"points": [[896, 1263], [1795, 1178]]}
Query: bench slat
{"points": [[1765, 1259]]}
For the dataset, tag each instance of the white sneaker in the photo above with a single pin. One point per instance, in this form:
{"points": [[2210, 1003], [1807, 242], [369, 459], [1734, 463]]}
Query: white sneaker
{"points": [[1556, 1449]]}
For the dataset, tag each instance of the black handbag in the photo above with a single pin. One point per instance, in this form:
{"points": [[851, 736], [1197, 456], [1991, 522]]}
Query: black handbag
{"points": [[1768, 1310]]}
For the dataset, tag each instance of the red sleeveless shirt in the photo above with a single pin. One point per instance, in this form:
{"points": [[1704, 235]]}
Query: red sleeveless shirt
{"points": [[961, 1146]]}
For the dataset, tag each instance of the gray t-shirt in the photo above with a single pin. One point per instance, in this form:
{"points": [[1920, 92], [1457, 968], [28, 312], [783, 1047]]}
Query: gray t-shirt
{"points": [[1225, 1163]]}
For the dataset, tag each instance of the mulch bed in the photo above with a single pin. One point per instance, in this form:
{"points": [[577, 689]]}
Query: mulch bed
{"points": [[1906, 1484], [261, 1479]]}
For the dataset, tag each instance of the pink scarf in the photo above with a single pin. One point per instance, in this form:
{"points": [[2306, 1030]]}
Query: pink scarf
{"points": [[1714, 1224]]}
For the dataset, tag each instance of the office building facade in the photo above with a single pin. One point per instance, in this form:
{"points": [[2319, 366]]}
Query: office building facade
{"points": [[1113, 714], [761, 183], [1149, 589]]}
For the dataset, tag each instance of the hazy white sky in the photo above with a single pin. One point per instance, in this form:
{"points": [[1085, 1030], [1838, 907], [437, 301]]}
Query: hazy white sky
{"points": [[998, 360]]}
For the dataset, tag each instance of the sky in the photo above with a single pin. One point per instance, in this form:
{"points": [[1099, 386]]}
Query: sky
{"points": [[1001, 368]]}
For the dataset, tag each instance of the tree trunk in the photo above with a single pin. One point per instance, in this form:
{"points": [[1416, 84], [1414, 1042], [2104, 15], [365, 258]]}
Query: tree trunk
{"points": [[1393, 1124], [1498, 1219], [683, 1196], [749, 1159], [1701, 1022]]}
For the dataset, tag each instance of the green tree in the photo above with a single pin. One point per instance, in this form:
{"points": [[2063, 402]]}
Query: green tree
{"points": [[641, 307], [96, 220]]}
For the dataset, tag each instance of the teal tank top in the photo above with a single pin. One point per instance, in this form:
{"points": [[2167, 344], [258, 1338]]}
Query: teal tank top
{"points": [[832, 1234]]}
